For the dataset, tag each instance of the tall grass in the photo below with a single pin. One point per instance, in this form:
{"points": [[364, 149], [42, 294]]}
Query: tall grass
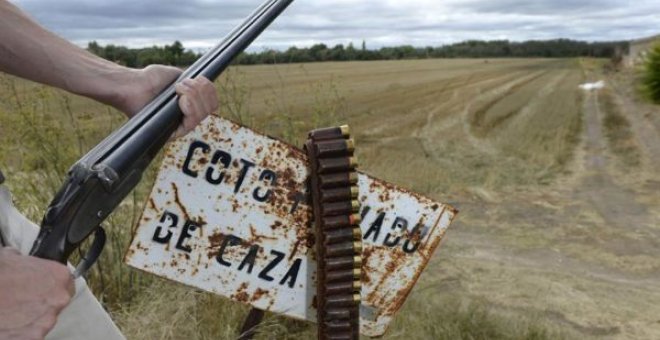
{"points": [[44, 131], [618, 130]]}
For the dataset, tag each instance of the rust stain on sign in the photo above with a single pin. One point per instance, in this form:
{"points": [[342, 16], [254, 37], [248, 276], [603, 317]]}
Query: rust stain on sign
{"points": [[229, 214]]}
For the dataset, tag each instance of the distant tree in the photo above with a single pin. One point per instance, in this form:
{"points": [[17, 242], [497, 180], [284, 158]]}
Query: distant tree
{"points": [[319, 52], [337, 53], [176, 54], [95, 48], [351, 52]]}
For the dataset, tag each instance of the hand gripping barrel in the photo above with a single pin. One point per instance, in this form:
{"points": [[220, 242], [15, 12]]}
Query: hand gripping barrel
{"points": [[336, 208]]}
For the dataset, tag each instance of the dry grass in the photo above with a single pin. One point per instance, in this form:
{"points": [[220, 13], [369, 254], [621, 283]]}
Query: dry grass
{"points": [[436, 126], [618, 130]]}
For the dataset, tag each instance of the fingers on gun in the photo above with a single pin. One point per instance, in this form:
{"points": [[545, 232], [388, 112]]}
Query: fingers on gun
{"points": [[198, 99]]}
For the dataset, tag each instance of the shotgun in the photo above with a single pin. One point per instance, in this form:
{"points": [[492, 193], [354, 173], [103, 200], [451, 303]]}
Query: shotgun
{"points": [[101, 179]]}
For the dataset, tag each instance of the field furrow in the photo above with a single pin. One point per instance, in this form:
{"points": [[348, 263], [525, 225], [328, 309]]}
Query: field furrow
{"points": [[558, 191]]}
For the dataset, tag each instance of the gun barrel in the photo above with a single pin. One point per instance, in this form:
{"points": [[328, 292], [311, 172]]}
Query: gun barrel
{"points": [[102, 178], [146, 133], [238, 40]]}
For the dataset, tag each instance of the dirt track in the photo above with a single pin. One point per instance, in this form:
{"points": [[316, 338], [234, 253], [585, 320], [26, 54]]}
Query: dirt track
{"points": [[554, 226], [584, 252]]}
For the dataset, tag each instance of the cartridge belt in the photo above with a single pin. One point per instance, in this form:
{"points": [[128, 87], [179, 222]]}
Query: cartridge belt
{"points": [[334, 192]]}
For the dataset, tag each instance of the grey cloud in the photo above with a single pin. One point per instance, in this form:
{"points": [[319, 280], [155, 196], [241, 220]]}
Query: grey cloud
{"points": [[531, 7], [201, 23]]}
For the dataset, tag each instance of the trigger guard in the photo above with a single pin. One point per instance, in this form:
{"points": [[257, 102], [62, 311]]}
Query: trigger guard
{"points": [[90, 257]]}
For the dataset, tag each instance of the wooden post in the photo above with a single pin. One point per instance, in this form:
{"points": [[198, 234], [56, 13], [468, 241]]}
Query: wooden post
{"points": [[250, 324]]}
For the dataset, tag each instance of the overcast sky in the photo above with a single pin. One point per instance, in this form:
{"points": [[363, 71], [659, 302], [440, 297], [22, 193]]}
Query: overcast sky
{"points": [[201, 23]]}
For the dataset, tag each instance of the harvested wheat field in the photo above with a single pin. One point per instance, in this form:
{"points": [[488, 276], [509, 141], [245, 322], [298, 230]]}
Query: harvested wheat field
{"points": [[558, 191]]}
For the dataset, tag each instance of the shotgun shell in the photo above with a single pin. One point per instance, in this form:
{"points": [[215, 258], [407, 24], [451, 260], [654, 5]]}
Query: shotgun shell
{"points": [[343, 275], [344, 249], [340, 336], [339, 288], [340, 208], [357, 246], [343, 263], [357, 233], [342, 221], [355, 191], [330, 133], [335, 147], [338, 313], [338, 236], [355, 219], [357, 261], [334, 222], [332, 165], [337, 325], [345, 131], [335, 180], [344, 300], [355, 205], [338, 194], [357, 285]]}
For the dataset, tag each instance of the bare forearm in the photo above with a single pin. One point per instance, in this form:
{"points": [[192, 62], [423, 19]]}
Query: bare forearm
{"points": [[29, 51]]}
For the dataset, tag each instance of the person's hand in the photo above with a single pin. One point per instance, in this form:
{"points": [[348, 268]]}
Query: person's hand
{"points": [[198, 97], [32, 293]]}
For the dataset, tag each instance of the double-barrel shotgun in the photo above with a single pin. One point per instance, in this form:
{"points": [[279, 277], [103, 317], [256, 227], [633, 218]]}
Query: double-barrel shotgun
{"points": [[101, 179]]}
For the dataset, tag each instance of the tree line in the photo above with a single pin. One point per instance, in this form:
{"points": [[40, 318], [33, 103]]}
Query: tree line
{"points": [[175, 54]]}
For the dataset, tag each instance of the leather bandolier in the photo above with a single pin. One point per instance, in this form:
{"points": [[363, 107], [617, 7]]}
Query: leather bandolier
{"points": [[334, 192]]}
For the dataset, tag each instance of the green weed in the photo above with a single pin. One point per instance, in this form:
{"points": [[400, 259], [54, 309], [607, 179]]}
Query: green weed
{"points": [[651, 78]]}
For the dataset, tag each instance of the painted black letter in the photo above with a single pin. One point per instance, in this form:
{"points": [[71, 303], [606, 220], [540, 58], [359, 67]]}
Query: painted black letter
{"points": [[365, 211], [375, 227], [418, 233], [189, 226], [249, 259], [292, 273], [266, 175], [278, 258], [246, 167], [165, 239], [228, 241], [402, 224], [191, 153], [225, 159]]}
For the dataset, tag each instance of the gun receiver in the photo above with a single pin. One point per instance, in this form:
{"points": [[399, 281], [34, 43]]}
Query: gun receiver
{"points": [[101, 179]]}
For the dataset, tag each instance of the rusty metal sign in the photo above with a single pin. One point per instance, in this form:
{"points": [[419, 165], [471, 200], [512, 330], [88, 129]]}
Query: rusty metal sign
{"points": [[228, 214]]}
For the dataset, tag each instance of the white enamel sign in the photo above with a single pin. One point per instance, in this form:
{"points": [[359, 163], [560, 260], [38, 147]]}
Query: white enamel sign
{"points": [[228, 214]]}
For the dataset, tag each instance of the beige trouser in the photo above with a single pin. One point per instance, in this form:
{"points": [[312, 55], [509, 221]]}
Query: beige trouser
{"points": [[84, 318]]}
